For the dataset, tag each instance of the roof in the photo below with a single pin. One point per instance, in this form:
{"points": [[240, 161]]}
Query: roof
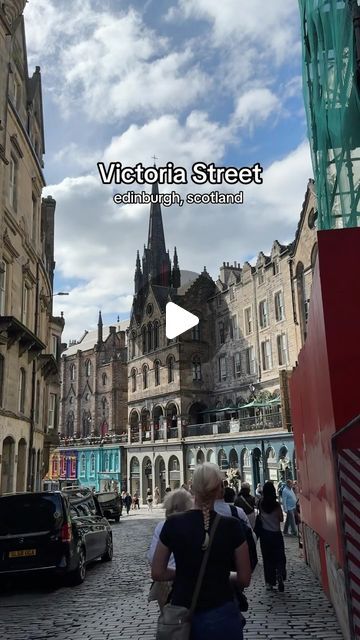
{"points": [[89, 339]]}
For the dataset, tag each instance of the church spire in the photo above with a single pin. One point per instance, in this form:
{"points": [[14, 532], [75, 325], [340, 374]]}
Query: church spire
{"points": [[156, 237], [156, 262], [138, 274], [176, 277], [100, 329]]}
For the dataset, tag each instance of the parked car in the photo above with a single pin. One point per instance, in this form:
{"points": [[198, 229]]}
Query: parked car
{"points": [[54, 532], [111, 504]]}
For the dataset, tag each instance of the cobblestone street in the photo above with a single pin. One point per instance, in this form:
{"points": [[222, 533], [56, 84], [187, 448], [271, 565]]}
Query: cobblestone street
{"points": [[112, 603]]}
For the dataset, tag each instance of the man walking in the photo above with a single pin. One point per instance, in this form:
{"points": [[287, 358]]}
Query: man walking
{"points": [[289, 506]]}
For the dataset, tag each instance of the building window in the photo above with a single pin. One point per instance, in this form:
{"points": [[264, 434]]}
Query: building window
{"points": [[88, 368], [72, 372], [195, 333], [157, 372], [276, 266], [170, 369], [132, 344], [133, 380], [248, 321], [149, 336], [143, 339], [37, 401], [25, 304], [13, 165], [2, 379], [83, 464], [54, 346], [92, 464], [237, 365], [106, 462], [222, 368], [196, 367], [104, 379], [34, 218], [145, 376], [250, 361], [260, 276], [282, 349], [233, 328], [266, 355], [279, 306], [156, 335], [3, 277], [221, 332], [219, 300], [22, 390], [263, 314], [52, 410], [232, 293]]}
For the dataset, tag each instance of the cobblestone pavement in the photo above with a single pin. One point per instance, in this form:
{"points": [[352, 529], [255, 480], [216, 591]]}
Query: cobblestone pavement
{"points": [[112, 603]]}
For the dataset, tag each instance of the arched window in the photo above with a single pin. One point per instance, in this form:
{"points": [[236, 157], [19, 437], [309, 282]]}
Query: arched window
{"points": [[170, 364], [88, 368], [195, 334], [105, 407], [22, 390], [196, 367], [104, 379], [145, 376], [133, 380], [132, 344], [156, 335], [149, 336], [157, 372], [72, 372], [143, 339]]}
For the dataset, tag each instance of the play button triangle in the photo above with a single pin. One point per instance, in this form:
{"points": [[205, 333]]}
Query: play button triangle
{"points": [[178, 320]]}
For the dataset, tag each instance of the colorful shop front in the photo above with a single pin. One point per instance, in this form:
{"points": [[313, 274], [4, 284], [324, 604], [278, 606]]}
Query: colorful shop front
{"points": [[93, 466]]}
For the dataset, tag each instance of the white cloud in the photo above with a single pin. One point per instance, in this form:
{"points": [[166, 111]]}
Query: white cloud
{"points": [[109, 64], [256, 106]]}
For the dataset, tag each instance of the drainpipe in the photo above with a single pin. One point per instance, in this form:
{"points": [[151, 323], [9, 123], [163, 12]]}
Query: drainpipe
{"points": [[30, 471]]}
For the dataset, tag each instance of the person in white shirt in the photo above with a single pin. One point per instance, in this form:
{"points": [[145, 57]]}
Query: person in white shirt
{"points": [[177, 501], [222, 506]]}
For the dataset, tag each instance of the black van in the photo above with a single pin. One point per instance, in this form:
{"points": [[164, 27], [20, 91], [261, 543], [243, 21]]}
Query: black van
{"points": [[111, 504], [52, 532]]}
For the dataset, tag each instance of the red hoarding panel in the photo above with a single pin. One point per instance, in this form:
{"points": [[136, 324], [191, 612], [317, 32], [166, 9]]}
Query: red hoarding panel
{"points": [[324, 388]]}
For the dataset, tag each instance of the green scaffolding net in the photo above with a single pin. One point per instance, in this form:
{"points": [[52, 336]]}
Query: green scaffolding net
{"points": [[332, 103]]}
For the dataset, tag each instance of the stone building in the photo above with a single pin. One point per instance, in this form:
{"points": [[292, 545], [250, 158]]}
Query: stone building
{"points": [[29, 334], [94, 385], [185, 395]]}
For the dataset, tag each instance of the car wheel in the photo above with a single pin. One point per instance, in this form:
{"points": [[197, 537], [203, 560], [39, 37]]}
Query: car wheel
{"points": [[78, 575], [108, 555]]}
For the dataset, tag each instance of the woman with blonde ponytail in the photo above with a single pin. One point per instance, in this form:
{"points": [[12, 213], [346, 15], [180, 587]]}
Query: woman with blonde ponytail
{"points": [[187, 536]]}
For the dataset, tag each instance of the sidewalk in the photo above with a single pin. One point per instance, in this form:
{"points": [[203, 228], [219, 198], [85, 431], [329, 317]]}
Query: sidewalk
{"points": [[302, 612]]}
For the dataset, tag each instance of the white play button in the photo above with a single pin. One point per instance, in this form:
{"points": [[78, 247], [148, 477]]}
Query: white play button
{"points": [[178, 320]]}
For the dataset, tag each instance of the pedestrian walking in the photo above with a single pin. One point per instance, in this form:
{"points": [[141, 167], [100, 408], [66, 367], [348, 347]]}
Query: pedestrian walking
{"points": [[156, 496], [177, 501], [246, 501], [258, 493], [188, 535], [271, 538], [135, 501], [127, 500], [289, 505], [149, 499]]}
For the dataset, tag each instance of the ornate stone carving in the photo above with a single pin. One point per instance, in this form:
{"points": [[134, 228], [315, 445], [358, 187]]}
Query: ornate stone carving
{"points": [[12, 9]]}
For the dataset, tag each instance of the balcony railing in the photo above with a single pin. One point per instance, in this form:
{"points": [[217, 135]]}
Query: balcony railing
{"points": [[93, 440], [249, 423]]}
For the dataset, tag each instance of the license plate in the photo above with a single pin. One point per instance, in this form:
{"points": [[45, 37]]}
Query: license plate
{"points": [[22, 553]]}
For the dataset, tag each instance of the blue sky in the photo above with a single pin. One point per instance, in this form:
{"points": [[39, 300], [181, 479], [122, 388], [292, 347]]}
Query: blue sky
{"points": [[188, 80]]}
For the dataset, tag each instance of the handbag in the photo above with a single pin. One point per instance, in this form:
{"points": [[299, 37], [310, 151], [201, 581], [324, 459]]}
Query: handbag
{"points": [[174, 622], [258, 526], [160, 592]]}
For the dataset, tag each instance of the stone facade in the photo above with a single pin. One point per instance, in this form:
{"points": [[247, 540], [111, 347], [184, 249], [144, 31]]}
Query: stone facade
{"points": [[94, 384], [29, 335]]}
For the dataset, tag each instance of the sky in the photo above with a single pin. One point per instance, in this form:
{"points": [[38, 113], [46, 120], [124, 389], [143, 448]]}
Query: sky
{"points": [[184, 80]]}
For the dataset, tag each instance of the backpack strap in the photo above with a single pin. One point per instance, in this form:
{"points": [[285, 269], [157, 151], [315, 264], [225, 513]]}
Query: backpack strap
{"points": [[234, 511], [203, 566]]}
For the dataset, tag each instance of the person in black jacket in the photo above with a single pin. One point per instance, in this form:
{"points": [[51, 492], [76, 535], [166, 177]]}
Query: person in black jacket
{"points": [[246, 502], [127, 500]]}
